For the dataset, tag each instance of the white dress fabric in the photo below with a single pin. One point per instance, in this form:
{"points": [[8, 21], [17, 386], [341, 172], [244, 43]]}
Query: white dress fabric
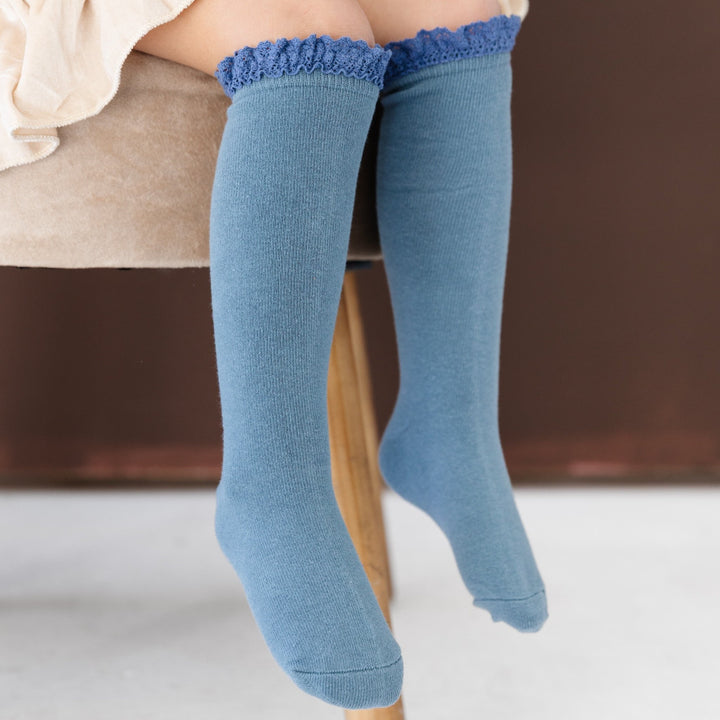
{"points": [[60, 62]]}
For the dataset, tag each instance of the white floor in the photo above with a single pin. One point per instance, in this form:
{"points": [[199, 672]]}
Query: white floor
{"points": [[120, 606]]}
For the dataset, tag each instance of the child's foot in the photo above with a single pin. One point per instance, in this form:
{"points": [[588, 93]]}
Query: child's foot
{"points": [[458, 476], [305, 583]]}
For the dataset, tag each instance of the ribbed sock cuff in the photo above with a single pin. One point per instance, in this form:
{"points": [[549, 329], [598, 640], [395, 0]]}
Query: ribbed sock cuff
{"points": [[431, 47], [353, 58]]}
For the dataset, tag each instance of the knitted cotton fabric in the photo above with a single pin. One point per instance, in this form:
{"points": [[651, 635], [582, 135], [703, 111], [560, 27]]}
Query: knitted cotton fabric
{"points": [[352, 58], [441, 45]]}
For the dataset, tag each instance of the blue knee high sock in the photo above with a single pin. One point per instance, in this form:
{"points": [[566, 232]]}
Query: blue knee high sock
{"points": [[443, 200], [280, 221]]}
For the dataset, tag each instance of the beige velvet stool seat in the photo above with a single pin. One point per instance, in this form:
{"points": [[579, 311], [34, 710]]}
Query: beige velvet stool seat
{"points": [[130, 188]]}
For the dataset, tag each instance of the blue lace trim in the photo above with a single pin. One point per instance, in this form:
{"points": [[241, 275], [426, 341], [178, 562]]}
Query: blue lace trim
{"points": [[354, 58], [430, 47]]}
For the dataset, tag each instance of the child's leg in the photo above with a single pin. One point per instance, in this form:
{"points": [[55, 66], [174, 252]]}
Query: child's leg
{"points": [[444, 175], [280, 222]]}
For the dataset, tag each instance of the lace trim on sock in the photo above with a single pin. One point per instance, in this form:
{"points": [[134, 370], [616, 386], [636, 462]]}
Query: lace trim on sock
{"points": [[430, 47], [353, 58]]}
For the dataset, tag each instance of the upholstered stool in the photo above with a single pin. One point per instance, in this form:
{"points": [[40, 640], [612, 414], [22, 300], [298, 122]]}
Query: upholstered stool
{"points": [[130, 188]]}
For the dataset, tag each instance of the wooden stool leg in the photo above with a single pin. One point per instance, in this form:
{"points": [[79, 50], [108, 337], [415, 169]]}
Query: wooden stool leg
{"points": [[351, 301], [353, 449]]}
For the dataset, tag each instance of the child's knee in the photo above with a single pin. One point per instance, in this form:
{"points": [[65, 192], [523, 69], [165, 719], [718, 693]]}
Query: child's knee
{"points": [[210, 30], [336, 18], [401, 19], [275, 19]]}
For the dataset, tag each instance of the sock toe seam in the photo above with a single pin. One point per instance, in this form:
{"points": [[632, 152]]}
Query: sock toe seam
{"points": [[529, 597], [341, 672]]}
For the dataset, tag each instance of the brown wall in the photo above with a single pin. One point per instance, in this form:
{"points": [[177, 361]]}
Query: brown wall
{"points": [[611, 334], [611, 347]]}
